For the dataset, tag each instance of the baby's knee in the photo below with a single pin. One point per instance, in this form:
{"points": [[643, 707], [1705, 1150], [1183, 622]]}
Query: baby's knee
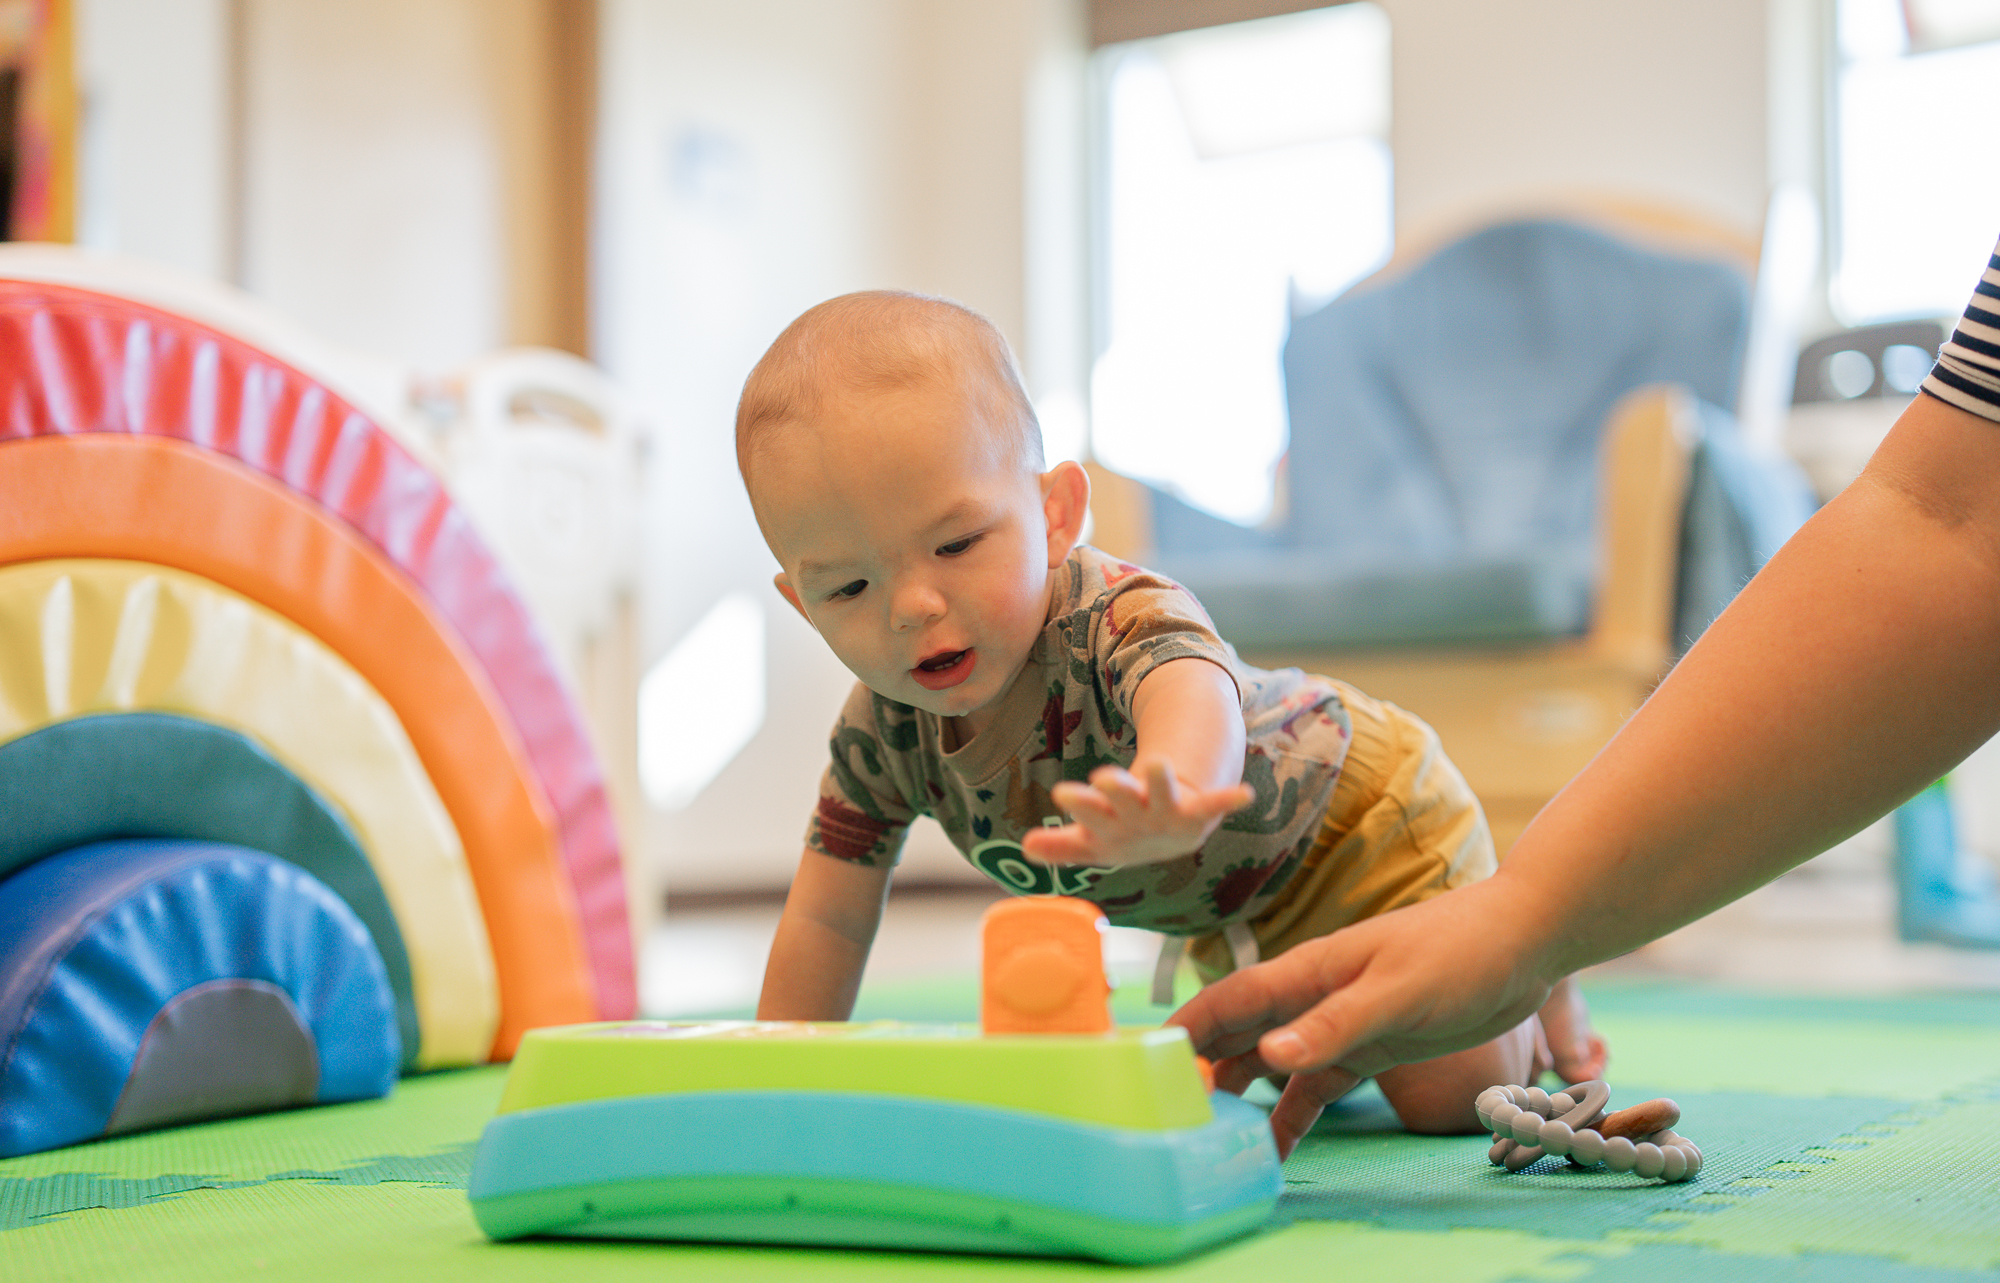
{"points": [[1435, 1097], [1431, 1110]]}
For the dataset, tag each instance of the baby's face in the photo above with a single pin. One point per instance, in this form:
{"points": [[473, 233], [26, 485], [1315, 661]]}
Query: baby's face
{"points": [[915, 541]]}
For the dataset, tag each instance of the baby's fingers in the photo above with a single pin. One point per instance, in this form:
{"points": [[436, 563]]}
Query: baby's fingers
{"points": [[1084, 802], [1216, 803], [1118, 785], [1070, 844]]}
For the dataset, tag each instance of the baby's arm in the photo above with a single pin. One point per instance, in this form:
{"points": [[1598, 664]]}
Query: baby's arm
{"points": [[829, 922], [1187, 774]]}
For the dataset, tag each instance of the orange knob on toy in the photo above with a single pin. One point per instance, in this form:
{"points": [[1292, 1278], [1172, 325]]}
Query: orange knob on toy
{"points": [[1043, 970]]}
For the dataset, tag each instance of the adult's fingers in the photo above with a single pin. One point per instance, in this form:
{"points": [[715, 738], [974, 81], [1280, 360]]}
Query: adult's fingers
{"points": [[1228, 1017], [1338, 1028], [1234, 1074], [1233, 1014], [1301, 1103]]}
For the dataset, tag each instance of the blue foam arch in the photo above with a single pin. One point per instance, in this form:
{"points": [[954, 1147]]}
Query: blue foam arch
{"points": [[97, 943], [139, 775]]}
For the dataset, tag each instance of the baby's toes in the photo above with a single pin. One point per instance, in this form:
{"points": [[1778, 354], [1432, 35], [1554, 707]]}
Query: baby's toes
{"points": [[1586, 1060]]}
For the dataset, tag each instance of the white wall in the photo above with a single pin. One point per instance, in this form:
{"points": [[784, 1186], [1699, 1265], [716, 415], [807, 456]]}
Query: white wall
{"points": [[1501, 104], [154, 76], [367, 167], [371, 174], [746, 170]]}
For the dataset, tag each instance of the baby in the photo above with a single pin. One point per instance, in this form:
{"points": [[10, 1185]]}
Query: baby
{"points": [[1073, 722]]}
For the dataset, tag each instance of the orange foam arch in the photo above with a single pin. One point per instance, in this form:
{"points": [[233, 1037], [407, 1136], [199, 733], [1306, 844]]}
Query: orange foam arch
{"points": [[159, 500]]}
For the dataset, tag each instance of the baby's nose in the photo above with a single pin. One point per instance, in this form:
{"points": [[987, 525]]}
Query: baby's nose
{"points": [[918, 605]]}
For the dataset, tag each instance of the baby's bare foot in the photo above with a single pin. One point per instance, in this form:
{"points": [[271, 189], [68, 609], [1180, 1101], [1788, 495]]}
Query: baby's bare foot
{"points": [[1579, 1053]]}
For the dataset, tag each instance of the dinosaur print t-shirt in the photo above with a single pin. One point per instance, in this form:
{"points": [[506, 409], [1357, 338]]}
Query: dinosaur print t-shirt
{"points": [[1070, 712]]}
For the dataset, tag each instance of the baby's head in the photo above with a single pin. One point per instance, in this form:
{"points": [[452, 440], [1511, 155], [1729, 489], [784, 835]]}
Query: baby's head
{"points": [[895, 467]]}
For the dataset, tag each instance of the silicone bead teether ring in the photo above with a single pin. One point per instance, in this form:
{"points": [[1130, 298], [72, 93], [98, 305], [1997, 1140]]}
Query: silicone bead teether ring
{"points": [[1529, 1123]]}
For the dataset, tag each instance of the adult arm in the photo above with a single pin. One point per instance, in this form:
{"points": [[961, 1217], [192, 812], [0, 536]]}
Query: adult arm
{"points": [[829, 924], [1857, 667]]}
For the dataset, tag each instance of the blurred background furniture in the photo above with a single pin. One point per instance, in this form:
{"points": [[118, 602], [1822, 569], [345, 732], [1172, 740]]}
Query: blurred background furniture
{"points": [[1515, 488], [1849, 389]]}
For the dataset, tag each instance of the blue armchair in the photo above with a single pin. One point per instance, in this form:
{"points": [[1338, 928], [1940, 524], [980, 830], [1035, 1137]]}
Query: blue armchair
{"points": [[1512, 495]]}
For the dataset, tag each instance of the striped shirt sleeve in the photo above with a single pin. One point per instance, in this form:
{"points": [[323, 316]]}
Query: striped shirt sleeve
{"points": [[1967, 373]]}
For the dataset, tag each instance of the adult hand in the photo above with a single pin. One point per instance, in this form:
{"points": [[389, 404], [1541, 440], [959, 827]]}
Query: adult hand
{"points": [[1121, 818], [1407, 986]]}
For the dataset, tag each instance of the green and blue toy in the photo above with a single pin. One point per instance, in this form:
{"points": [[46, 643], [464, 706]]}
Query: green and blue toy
{"points": [[1106, 1144]]}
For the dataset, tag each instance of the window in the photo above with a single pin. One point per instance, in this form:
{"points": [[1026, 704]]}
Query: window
{"points": [[1245, 174], [1916, 193]]}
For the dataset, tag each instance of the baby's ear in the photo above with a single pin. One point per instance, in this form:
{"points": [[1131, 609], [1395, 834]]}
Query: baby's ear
{"points": [[1065, 504], [791, 595]]}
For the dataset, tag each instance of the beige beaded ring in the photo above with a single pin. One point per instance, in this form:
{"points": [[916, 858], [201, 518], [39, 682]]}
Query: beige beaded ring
{"points": [[1528, 1123]]}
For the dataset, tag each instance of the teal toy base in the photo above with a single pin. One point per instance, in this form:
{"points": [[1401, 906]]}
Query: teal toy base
{"points": [[847, 1214], [853, 1170]]}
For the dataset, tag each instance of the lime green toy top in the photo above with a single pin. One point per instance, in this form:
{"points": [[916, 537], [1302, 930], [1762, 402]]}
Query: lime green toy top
{"points": [[1138, 1078]]}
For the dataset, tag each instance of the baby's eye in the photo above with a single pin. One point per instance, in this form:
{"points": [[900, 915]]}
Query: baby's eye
{"points": [[957, 546], [848, 591]]}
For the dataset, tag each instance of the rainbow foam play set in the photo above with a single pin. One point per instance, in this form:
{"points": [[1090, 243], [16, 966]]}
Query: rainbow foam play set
{"points": [[295, 800]]}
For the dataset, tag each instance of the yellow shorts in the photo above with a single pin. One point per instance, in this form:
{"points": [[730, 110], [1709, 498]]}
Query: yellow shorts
{"points": [[1402, 827]]}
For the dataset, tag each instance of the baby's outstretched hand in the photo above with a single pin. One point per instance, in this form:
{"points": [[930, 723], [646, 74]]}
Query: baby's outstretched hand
{"points": [[1118, 818]]}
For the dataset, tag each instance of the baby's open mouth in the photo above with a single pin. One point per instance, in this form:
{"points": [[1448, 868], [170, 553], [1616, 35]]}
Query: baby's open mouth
{"points": [[945, 669]]}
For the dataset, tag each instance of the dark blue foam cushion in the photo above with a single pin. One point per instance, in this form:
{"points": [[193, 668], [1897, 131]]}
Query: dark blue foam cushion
{"points": [[98, 943], [133, 775]]}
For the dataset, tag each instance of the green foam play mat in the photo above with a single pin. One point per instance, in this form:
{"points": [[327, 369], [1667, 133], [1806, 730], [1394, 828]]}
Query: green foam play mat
{"points": [[1845, 1139]]}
